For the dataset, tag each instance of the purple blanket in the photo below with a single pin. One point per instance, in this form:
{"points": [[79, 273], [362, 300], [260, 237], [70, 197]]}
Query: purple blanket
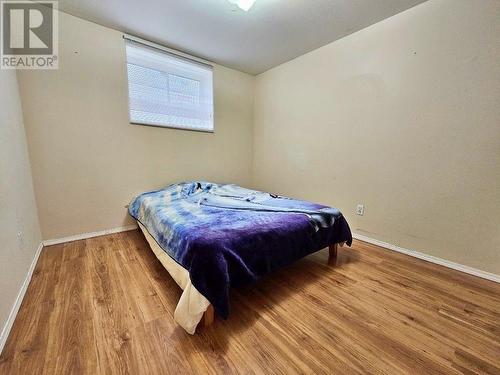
{"points": [[227, 236]]}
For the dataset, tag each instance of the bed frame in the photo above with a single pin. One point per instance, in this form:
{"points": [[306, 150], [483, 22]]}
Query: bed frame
{"points": [[209, 315]]}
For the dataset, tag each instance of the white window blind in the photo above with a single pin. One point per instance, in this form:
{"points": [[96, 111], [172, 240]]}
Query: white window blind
{"points": [[168, 90]]}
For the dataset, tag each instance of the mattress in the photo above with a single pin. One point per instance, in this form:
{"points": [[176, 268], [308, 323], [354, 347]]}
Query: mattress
{"points": [[192, 304], [226, 236]]}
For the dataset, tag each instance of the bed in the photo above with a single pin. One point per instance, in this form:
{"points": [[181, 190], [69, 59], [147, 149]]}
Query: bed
{"points": [[211, 237]]}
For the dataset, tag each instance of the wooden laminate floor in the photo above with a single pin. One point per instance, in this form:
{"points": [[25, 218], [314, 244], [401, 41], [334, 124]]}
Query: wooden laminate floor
{"points": [[105, 306]]}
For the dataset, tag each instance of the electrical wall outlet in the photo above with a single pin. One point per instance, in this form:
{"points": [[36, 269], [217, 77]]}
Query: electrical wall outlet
{"points": [[20, 240], [360, 209]]}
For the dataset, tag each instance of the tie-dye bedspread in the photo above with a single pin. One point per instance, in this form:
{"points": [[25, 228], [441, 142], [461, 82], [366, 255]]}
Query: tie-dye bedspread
{"points": [[226, 235]]}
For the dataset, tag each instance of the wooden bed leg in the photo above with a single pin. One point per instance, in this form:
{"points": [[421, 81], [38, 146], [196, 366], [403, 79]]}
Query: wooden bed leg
{"points": [[333, 252], [208, 316]]}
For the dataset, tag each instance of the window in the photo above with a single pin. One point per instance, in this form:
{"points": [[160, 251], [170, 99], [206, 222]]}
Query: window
{"points": [[168, 90]]}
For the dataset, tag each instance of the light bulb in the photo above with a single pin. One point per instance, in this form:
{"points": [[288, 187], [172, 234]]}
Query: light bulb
{"points": [[243, 4]]}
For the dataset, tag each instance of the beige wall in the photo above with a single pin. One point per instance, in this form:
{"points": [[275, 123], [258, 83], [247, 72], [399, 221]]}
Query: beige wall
{"points": [[403, 116], [17, 202], [88, 161]]}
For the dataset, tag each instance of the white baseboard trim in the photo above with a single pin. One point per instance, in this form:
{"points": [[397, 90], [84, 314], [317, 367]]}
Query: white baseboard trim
{"points": [[430, 258], [20, 296], [84, 236]]}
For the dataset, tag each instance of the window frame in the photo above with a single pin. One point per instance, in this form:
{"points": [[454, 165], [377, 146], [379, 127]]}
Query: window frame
{"points": [[179, 55]]}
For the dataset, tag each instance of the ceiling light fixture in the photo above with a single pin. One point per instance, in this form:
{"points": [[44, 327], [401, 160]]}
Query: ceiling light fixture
{"points": [[243, 4]]}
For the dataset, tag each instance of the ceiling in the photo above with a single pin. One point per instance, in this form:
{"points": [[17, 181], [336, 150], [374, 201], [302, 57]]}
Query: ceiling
{"points": [[270, 33]]}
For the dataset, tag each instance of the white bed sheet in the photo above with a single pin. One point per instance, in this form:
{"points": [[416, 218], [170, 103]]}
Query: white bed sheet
{"points": [[192, 304]]}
